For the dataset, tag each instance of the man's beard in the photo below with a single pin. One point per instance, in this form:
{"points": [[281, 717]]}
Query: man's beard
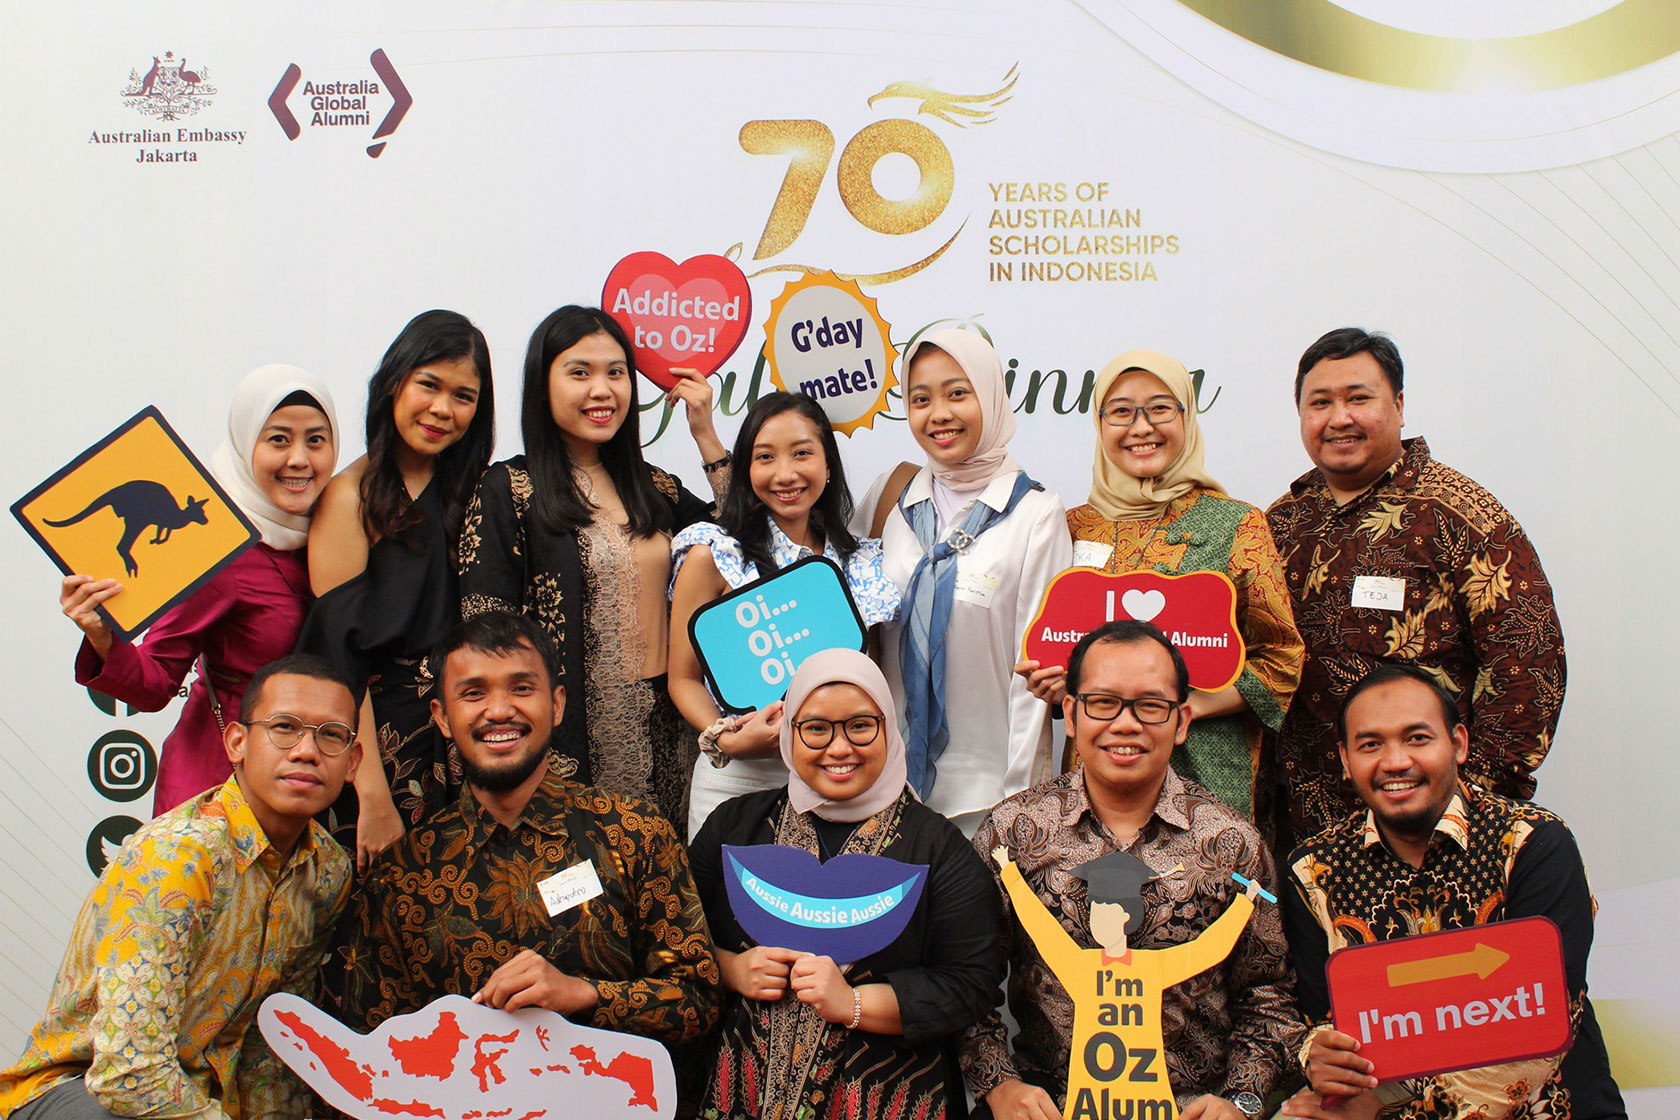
{"points": [[508, 775]]}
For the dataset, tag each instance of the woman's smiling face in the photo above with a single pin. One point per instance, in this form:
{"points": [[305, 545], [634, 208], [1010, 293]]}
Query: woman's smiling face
{"points": [[294, 457], [1142, 449], [942, 407], [841, 769]]}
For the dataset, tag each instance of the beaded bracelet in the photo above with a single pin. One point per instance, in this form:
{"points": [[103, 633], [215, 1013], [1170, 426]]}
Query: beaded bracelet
{"points": [[857, 1009]]}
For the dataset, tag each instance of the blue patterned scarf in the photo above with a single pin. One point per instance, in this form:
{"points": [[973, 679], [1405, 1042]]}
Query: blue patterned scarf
{"points": [[921, 648]]}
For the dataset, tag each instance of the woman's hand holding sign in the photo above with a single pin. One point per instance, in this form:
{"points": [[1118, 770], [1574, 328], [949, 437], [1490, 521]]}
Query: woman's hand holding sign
{"points": [[694, 392], [79, 597], [759, 973], [756, 735], [1048, 683]]}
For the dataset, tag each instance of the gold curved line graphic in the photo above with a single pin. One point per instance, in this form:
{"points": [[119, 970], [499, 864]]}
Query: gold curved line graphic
{"points": [[872, 278], [1318, 33]]}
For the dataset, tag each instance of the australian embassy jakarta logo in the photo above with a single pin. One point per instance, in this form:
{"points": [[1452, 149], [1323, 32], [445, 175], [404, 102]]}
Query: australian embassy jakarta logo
{"points": [[169, 90]]}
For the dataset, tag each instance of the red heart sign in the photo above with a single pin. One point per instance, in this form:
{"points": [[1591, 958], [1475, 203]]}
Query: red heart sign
{"points": [[1197, 611], [684, 316]]}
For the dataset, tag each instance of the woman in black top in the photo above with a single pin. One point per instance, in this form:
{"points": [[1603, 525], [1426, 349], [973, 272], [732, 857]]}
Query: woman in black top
{"points": [[381, 560], [804, 1038], [576, 534]]}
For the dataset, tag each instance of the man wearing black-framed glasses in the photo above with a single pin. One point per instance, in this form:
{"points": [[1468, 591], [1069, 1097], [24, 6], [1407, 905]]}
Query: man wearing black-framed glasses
{"points": [[228, 897], [1225, 1032]]}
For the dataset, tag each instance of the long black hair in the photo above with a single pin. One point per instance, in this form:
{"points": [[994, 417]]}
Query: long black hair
{"points": [[743, 514], [431, 336], [556, 497]]}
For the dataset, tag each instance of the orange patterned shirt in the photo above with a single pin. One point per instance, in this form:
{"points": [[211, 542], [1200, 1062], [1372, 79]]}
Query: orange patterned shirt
{"points": [[190, 928]]}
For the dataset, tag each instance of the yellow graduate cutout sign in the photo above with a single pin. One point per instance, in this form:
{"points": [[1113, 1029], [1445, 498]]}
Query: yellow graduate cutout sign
{"points": [[139, 508], [1117, 1064]]}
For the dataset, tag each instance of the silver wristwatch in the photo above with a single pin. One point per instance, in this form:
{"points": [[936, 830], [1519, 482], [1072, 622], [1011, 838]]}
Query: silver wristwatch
{"points": [[1247, 1103]]}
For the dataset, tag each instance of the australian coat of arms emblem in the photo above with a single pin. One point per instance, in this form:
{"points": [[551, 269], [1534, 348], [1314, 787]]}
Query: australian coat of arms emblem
{"points": [[170, 90]]}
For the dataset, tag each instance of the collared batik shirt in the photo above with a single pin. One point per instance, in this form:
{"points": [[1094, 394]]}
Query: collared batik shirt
{"points": [[1490, 859], [457, 898], [193, 924], [1476, 614], [1229, 1029]]}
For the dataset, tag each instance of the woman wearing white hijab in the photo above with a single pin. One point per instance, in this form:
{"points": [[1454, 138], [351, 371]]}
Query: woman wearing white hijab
{"points": [[280, 450], [802, 1035], [973, 541]]}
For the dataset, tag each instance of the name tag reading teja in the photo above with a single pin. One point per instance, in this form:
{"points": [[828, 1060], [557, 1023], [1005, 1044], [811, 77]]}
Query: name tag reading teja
{"points": [[571, 887], [1384, 593]]}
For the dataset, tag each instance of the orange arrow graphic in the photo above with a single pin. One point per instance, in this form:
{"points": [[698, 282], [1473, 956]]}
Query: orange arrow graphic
{"points": [[1482, 961]]}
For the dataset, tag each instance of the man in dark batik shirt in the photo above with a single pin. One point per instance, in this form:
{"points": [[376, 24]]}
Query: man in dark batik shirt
{"points": [[1229, 1032], [1430, 853], [456, 906], [1391, 556]]}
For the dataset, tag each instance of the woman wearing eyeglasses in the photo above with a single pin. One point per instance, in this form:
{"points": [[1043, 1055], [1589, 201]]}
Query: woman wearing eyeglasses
{"points": [[1154, 506], [804, 1035]]}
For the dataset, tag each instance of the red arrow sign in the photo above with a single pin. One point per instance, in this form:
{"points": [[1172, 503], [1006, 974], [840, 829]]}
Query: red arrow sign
{"points": [[1456, 1000]]}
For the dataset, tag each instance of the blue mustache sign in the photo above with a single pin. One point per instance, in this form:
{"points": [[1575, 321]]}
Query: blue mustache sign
{"points": [[751, 641], [847, 908]]}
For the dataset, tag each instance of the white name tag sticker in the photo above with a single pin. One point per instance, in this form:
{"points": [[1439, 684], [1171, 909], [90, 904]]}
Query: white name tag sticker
{"points": [[1091, 554], [975, 587], [1385, 593], [571, 887]]}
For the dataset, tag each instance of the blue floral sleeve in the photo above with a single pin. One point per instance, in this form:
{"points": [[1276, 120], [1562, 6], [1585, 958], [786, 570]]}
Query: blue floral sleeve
{"points": [[875, 594]]}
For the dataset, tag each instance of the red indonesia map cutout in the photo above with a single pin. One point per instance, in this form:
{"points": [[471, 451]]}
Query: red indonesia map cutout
{"points": [[458, 1060], [679, 316], [1197, 611], [1462, 999]]}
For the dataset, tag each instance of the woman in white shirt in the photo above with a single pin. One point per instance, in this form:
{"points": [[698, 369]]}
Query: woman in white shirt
{"points": [[973, 542]]}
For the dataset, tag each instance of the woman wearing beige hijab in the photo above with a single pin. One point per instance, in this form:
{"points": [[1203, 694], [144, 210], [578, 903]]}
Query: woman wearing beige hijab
{"points": [[805, 1035], [1153, 505]]}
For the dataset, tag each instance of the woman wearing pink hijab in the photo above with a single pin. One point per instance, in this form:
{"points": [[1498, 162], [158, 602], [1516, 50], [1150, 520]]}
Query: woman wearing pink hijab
{"points": [[806, 1036], [973, 542]]}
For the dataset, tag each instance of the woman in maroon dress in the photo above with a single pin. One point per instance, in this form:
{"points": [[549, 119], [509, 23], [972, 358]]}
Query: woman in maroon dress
{"points": [[280, 451]]}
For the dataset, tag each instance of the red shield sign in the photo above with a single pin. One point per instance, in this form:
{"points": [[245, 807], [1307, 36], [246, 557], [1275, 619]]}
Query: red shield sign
{"points": [[1456, 1000], [1198, 612]]}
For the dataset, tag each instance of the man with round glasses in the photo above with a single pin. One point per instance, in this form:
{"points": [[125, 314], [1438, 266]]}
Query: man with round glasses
{"points": [[205, 912], [1227, 1031]]}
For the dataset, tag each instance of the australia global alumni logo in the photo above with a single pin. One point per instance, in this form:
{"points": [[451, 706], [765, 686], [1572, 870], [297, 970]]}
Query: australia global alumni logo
{"points": [[337, 103]]}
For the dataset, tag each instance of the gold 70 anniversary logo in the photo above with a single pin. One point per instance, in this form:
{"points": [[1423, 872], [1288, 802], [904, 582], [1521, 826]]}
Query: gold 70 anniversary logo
{"points": [[808, 146]]}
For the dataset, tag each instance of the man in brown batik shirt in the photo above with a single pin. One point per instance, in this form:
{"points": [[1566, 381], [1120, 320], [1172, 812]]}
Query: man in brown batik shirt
{"points": [[458, 905], [1392, 556]]}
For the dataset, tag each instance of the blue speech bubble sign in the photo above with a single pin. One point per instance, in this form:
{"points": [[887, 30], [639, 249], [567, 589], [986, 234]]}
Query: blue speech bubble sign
{"points": [[847, 908], [751, 641]]}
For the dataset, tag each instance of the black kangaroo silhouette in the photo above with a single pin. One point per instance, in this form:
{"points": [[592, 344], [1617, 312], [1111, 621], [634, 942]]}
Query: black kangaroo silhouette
{"points": [[142, 504]]}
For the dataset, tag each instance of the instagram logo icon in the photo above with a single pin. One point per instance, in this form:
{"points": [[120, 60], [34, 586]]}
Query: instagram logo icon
{"points": [[122, 765]]}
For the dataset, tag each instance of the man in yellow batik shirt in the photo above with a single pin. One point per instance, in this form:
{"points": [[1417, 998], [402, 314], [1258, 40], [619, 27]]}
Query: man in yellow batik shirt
{"points": [[204, 913]]}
